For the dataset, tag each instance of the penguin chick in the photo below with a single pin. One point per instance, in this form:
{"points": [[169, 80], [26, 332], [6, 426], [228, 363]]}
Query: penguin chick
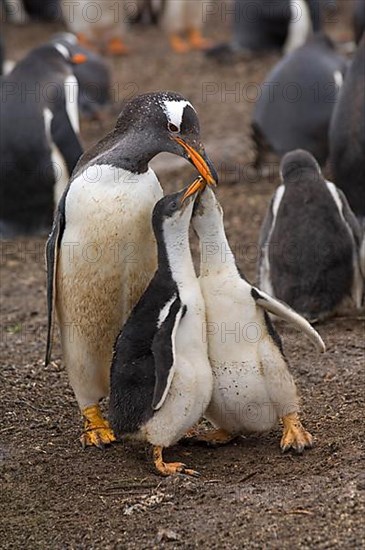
{"points": [[309, 243], [161, 380], [253, 388]]}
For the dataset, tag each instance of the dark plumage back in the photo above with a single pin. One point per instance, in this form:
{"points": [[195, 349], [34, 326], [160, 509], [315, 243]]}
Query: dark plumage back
{"points": [[347, 135], [295, 107]]}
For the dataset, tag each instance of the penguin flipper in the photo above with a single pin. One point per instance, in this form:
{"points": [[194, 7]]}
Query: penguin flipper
{"points": [[64, 136], [163, 349], [282, 310], [52, 249]]}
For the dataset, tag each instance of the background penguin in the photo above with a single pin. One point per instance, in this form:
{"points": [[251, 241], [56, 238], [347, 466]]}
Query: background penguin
{"points": [[347, 136], [309, 242], [253, 388], [39, 143], [263, 25], [107, 210], [183, 21], [93, 77], [298, 95], [99, 25], [161, 380]]}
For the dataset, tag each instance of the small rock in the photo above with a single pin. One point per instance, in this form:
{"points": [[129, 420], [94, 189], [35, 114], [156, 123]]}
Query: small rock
{"points": [[166, 534]]}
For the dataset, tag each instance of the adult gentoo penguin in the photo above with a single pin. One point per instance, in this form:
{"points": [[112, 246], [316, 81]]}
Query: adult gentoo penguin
{"points": [[101, 254], [93, 77], [39, 143], [298, 95], [263, 25], [161, 380], [309, 242], [252, 388]]}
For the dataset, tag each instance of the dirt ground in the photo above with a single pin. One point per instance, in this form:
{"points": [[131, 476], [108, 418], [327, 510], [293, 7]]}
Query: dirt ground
{"points": [[54, 495]]}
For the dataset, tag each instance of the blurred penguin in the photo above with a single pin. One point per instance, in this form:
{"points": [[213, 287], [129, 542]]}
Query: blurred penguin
{"points": [[309, 243], [263, 25], [39, 143], [98, 25], [183, 22], [347, 136], [93, 77], [297, 99]]}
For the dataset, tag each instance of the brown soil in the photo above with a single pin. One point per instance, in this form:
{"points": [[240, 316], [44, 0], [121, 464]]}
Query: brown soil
{"points": [[54, 495]]}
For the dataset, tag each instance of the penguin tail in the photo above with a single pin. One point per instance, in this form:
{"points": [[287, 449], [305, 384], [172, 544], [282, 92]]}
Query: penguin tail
{"points": [[271, 305]]}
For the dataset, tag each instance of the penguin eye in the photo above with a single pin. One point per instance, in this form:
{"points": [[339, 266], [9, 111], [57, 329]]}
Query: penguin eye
{"points": [[174, 205], [173, 128]]}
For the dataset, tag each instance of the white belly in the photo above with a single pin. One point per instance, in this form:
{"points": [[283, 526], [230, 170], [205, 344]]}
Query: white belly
{"points": [[106, 260], [252, 386], [191, 387]]}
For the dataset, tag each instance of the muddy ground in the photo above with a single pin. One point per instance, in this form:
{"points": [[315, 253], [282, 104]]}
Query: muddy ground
{"points": [[54, 495]]}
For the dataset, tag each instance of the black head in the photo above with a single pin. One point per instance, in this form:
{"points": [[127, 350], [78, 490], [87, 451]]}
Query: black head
{"points": [[173, 211], [165, 122], [297, 165]]}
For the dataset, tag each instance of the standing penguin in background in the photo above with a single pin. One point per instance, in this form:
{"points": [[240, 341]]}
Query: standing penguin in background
{"points": [[297, 100], [260, 26], [347, 136], [309, 243], [93, 77], [161, 380], [183, 21], [39, 143], [101, 254], [253, 388]]}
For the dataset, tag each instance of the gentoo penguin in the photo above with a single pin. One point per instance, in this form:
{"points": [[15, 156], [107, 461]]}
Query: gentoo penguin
{"points": [[259, 26], [183, 20], [161, 380], [347, 136], [99, 25], [252, 386], [309, 242], [39, 144], [298, 95], [93, 77], [101, 254]]}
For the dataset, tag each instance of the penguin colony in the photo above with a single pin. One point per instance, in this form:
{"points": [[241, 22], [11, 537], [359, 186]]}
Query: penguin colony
{"points": [[148, 332]]}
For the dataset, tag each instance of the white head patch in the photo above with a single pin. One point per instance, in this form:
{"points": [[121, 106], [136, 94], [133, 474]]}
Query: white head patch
{"points": [[174, 110], [63, 51]]}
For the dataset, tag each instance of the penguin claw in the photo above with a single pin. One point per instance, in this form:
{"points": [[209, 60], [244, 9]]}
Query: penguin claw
{"points": [[294, 435], [170, 468], [97, 431]]}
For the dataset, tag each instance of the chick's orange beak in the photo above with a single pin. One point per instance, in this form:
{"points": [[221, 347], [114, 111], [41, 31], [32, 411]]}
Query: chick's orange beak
{"points": [[199, 162], [196, 186]]}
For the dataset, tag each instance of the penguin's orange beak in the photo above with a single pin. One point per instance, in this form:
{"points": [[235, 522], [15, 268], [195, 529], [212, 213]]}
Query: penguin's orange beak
{"points": [[202, 164], [196, 186], [78, 59]]}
